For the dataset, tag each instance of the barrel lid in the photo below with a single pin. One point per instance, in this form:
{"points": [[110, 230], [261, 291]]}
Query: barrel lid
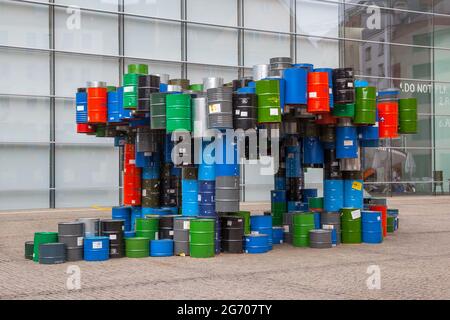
{"points": [[388, 91], [320, 231], [51, 244], [323, 70], [137, 239], [70, 223], [257, 235], [96, 238], [81, 90], [96, 84], [112, 220], [162, 240]]}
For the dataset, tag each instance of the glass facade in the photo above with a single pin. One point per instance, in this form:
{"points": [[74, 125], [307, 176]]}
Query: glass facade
{"points": [[49, 48]]}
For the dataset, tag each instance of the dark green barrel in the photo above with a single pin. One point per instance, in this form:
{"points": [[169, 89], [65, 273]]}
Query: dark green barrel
{"points": [[277, 210], [178, 112], [158, 110], [147, 227], [302, 223], [138, 68], [29, 248], [344, 110], [41, 238], [246, 216], [130, 84], [407, 116], [365, 106], [138, 247], [100, 131], [269, 103], [390, 224], [196, 87], [315, 204], [202, 235], [351, 225]]}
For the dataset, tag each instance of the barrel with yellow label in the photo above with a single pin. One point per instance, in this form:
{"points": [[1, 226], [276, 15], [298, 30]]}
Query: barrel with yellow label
{"points": [[269, 103], [353, 189]]}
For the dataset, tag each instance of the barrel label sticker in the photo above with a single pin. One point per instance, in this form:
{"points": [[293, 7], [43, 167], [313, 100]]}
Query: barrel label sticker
{"points": [[375, 125], [255, 232], [378, 218], [313, 94], [131, 161], [112, 237], [186, 225], [335, 164], [79, 241], [147, 154], [330, 90], [244, 114], [199, 197], [97, 245], [357, 185], [144, 192], [170, 232], [229, 223], [348, 143], [273, 111], [350, 84], [356, 214], [238, 112], [214, 108], [128, 89], [80, 108], [156, 236], [327, 227], [286, 228]]}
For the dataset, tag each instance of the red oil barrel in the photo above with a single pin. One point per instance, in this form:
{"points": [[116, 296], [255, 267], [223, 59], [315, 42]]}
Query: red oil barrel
{"points": [[388, 119], [318, 92], [326, 119], [97, 102], [85, 128], [383, 210], [131, 185], [129, 154]]}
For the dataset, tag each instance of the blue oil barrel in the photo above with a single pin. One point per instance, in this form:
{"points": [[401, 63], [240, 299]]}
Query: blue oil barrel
{"points": [[96, 248], [307, 66], [189, 197], [333, 195], [369, 136], [81, 105], [256, 243], [206, 167], [124, 114], [296, 89], [120, 141], [163, 87], [129, 234], [309, 193], [294, 206], [346, 142], [262, 225], [175, 171], [122, 213], [280, 183], [353, 193], [161, 248], [277, 235], [330, 83], [143, 159], [150, 173], [113, 107], [312, 152], [246, 90], [170, 210], [206, 198], [372, 230], [293, 162], [136, 212], [168, 146], [361, 83], [278, 196], [227, 158], [317, 224]]}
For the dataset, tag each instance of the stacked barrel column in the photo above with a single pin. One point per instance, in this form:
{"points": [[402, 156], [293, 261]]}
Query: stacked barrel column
{"points": [[131, 175]]}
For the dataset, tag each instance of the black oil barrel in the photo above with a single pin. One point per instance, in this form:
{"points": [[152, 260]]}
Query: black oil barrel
{"points": [[72, 235], [52, 253], [147, 84], [343, 86], [232, 234], [245, 110], [311, 129], [150, 193], [190, 173], [158, 111], [331, 170], [166, 226], [295, 186], [114, 230], [147, 140], [220, 108], [328, 134], [29, 248]]}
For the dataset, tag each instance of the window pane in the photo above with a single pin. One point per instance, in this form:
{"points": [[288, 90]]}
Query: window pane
{"points": [[111, 5], [172, 69], [442, 98], [442, 158], [307, 22], [260, 47], [442, 65], [217, 11], [267, 14], [441, 6], [196, 73], [320, 52], [155, 8]]}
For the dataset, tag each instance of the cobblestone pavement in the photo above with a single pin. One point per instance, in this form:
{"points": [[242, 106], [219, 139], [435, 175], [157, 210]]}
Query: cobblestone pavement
{"points": [[414, 264]]}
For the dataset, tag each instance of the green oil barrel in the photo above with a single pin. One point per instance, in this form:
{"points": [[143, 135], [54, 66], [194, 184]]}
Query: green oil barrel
{"points": [[196, 87], [178, 112], [138, 247], [41, 238], [344, 110], [246, 216], [269, 104], [277, 210], [100, 131], [302, 223], [138, 68], [202, 238], [351, 225], [407, 116], [130, 84], [29, 249], [147, 227], [315, 204], [390, 224], [365, 106], [158, 110]]}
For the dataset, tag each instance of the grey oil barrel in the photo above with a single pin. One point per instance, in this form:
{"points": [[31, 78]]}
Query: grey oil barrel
{"points": [[147, 84], [200, 117], [212, 82], [150, 193], [181, 227], [245, 110], [29, 248], [232, 234], [260, 71], [147, 140], [72, 235], [287, 225], [166, 225], [320, 239], [91, 226], [220, 108], [353, 164], [227, 194], [114, 230], [52, 253], [278, 65], [332, 221], [158, 111]]}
